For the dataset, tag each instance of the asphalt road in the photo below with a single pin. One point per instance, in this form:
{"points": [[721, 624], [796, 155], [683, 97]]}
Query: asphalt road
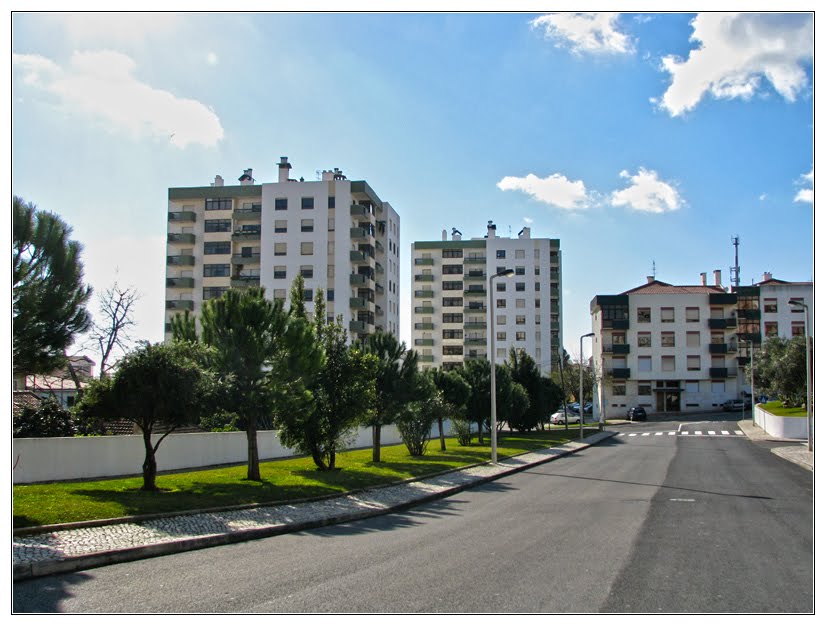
{"points": [[642, 524]]}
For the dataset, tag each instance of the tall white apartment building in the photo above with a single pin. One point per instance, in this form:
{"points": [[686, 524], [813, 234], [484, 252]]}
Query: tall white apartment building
{"points": [[337, 233], [450, 315]]}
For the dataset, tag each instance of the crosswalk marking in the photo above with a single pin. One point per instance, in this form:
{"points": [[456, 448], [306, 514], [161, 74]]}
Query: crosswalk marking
{"points": [[725, 432], [711, 432], [696, 433], [738, 432], [672, 432], [645, 434], [657, 434]]}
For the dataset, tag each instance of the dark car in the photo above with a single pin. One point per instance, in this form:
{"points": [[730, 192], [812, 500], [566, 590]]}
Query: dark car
{"points": [[636, 413], [733, 405]]}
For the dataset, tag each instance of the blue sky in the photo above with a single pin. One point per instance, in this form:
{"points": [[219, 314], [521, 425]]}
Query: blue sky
{"points": [[633, 138]]}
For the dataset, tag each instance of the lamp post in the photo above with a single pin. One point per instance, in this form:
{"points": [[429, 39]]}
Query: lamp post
{"points": [[809, 415], [581, 399], [751, 377], [507, 272]]}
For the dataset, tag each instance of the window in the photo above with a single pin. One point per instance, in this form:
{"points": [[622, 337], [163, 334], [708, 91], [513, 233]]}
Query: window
{"points": [[536, 270], [536, 303], [500, 303], [452, 334], [644, 340], [307, 226], [667, 314], [500, 254], [617, 337], [331, 271], [692, 314], [643, 363], [218, 204], [210, 293], [692, 339], [693, 363], [279, 294], [520, 254], [520, 303], [221, 269], [501, 320], [451, 253], [668, 364], [667, 340], [452, 350], [718, 386], [281, 226], [520, 320], [770, 305], [520, 335], [692, 386], [500, 352], [217, 247], [451, 302], [771, 329], [795, 304], [331, 294], [217, 226], [280, 249], [798, 329], [331, 202], [452, 318], [501, 286], [520, 286], [306, 247], [537, 286], [307, 203], [501, 336], [716, 312], [452, 285], [279, 271], [331, 224], [520, 270], [618, 390], [280, 204], [306, 271], [644, 315], [451, 269], [644, 388]]}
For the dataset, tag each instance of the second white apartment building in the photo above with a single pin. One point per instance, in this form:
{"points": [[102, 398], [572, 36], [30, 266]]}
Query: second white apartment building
{"points": [[336, 233], [450, 314]]}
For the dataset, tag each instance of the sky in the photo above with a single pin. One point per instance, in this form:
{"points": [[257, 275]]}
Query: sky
{"points": [[643, 142]]}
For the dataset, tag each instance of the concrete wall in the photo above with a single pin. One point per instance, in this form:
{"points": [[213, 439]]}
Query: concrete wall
{"points": [[70, 458], [781, 427]]}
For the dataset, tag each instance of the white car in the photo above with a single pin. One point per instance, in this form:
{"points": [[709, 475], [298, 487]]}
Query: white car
{"points": [[559, 417]]}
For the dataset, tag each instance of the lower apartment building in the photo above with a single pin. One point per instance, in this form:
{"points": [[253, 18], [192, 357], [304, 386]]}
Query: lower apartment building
{"points": [[337, 233], [673, 348], [451, 281]]}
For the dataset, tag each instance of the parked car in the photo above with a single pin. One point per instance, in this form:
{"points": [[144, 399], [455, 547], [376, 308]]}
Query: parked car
{"points": [[559, 417], [733, 405], [588, 408], [636, 413]]}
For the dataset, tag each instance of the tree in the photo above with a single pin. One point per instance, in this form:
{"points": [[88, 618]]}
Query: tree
{"points": [[116, 317], [259, 355], [183, 327], [159, 387], [522, 369], [780, 368], [48, 294], [476, 374], [454, 393], [342, 393], [48, 419], [395, 382]]}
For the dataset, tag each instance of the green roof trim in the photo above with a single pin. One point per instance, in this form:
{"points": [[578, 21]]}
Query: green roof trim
{"points": [[440, 245], [231, 191], [361, 186]]}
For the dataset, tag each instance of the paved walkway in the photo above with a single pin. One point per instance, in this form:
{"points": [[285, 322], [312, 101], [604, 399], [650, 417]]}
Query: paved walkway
{"points": [[74, 547], [796, 452]]}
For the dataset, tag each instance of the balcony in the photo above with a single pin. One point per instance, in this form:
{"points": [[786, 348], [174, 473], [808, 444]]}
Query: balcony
{"points": [[476, 341], [423, 261], [720, 348], [379, 268], [426, 358], [475, 325], [182, 216], [615, 324], [621, 372], [359, 233], [722, 372], [748, 314], [423, 278], [379, 311], [423, 293], [477, 260], [618, 348], [379, 246], [180, 305], [359, 279], [476, 292], [379, 289], [721, 323], [245, 281], [359, 210], [475, 275], [747, 336], [475, 308], [358, 326], [180, 238], [423, 342], [182, 282], [554, 292], [423, 326], [181, 259], [423, 309], [247, 235], [248, 213], [471, 356], [359, 303], [246, 259]]}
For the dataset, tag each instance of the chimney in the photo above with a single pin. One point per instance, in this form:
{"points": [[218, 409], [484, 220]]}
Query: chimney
{"points": [[767, 276], [284, 170], [650, 279], [246, 178], [456, 234], [444, 235], [717, 281], [525, 233], [491, 230], [219, 182], [326, 175], [703, 279]]}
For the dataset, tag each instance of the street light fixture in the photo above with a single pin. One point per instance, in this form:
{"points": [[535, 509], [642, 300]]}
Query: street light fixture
{"points": [[809, 414], [492, 355], [581, 403]]}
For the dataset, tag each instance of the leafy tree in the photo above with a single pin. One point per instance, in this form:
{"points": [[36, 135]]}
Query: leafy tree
{"points": [[48, 294], [415, 420], [342, 391], [516, 403], [780, 368], [395, 382], [523, 370], [260, 357], [454, 394], [159, 387], [476, 374], [48, 419]]}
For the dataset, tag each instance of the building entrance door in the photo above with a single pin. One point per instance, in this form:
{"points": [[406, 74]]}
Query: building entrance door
{"points": [[668, 401]]}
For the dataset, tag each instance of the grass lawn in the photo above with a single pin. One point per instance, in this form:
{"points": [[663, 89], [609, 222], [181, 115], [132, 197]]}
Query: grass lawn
{"points": [[281, 481], [777, 408]]}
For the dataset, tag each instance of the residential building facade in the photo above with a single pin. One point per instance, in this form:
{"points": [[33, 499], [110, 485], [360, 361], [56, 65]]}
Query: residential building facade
{"points": [[778, 318], [337, 233], [450, 316]]}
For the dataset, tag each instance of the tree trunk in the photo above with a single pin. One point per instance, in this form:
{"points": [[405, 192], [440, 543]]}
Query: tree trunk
{"points": [[332, 461], [480, 424], [376, 443], [318, 459], [253, 472], [150, 466], [442, 434]]}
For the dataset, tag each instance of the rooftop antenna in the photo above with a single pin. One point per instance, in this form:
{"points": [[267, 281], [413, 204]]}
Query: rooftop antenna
{"points": [[318, 174], [735, 271], [654, 269]]}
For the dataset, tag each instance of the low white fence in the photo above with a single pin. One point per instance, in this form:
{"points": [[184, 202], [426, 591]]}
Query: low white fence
{"points": [[69, 458], [781, 427]]}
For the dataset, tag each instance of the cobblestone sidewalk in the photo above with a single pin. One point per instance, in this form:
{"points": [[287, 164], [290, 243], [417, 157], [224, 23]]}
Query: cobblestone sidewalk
{"points": [[73, 549]]}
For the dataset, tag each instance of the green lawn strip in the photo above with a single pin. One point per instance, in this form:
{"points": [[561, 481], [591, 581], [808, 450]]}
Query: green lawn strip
{"points": [[281, 481], [777, 408]]}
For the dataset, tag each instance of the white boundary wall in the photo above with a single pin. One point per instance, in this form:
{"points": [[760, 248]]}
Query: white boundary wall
{"points": [[69, 458], [781, 427]]}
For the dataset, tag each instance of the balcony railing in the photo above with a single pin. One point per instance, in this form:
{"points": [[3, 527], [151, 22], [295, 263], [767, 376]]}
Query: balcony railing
{"points": [[180, 259], [424, 278], [249, 213], [721, 348], [471, 356], [182, 282], [722, 372], [246, 235], [358, 255], [180, 305], [470, 308], [423, 342], [246, 259], [358, 233], [621, 372], [721, 323], [245, 281], [359, 303], [426, 358], [359, 279], [180, 238], [359, 210], [475, 325], [423, 309], [423, 293], [475, 276], [423, 261], [182, 216], [423, 326], [358, 326], [748, 314], [476, 292], [475, 259], [617, 348], [476, 341]]}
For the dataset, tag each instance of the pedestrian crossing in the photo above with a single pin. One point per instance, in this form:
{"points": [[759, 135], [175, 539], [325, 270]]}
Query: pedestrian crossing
{"points": [[685, 433]]}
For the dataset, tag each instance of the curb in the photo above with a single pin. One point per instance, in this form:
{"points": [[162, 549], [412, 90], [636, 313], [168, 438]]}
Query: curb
{"points": [[111, 557]]}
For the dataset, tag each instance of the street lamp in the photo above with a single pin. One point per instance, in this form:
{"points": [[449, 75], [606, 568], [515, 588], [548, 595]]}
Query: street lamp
{"points": [[751, 376], [581, 403], [507, 272], [809, 415]]}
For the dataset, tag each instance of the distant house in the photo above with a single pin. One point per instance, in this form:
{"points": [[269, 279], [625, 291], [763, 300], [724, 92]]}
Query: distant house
{"points": [[58, 384]]}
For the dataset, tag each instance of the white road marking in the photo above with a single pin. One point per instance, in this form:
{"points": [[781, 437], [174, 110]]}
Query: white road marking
{"points": [[645, 434], [657, 434], [711, 432], [738, 432], [698, 432], [629, 434], [672, 432], [681, 499], [725, 432]]}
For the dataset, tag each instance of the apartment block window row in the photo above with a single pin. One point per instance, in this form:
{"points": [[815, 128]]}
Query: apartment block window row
{"points": [[452, 285], [217, 247], [218, 204], [452, 301], [217, 226], [210, 293], [450, 253], [216, 269], [770, 305], [452, 269], [452, 333], [452, 350], [452, 318]]}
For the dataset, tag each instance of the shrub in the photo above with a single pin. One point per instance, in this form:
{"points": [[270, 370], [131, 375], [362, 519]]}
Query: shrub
{"points": [[47, 420], [415, 423], [220, 422], [461, 429]]}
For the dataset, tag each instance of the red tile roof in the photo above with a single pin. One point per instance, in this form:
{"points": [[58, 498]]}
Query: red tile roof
{"points": [[659, 287]]}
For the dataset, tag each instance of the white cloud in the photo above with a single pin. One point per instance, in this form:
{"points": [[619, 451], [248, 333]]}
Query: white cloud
{"points": [[807, 195], [121, 28], [647, 193], [763, 196], [101, 85], [585, 32], [735, 53], [212, 58], [555, 190], [527, 220]]}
